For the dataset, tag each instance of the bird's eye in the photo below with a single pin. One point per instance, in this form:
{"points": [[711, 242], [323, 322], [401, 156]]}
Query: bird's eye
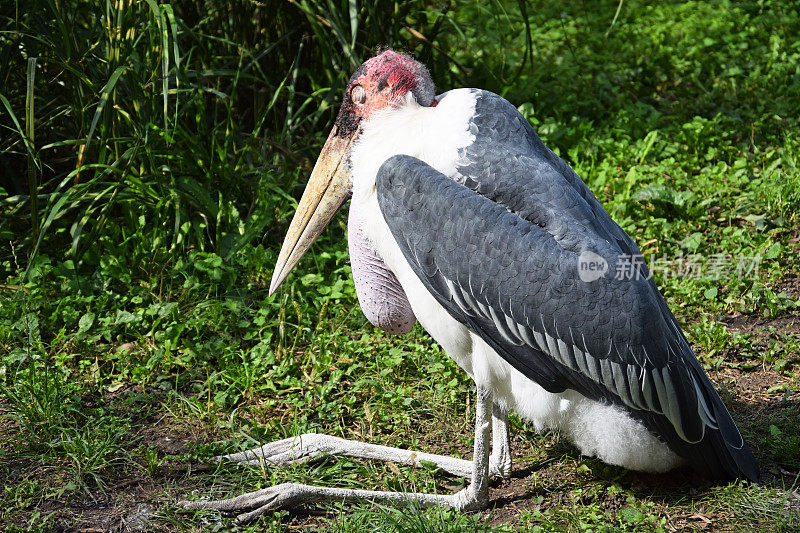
{"points": [[358, 95]]}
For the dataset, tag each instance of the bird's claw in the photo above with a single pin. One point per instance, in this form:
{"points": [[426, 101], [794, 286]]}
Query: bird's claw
{"points": [[254, 504]]}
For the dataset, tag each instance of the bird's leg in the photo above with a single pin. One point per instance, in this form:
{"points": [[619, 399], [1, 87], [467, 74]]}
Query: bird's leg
{"points": [[500, 459], [477, 493], [296, 450], [289, 495]]}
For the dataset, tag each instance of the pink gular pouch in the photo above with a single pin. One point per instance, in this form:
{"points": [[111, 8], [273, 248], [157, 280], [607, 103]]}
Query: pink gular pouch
{"points": [[380, 294]]}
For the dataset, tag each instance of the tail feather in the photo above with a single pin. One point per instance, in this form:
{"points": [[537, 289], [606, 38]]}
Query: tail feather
{"points": [[733, 456]]}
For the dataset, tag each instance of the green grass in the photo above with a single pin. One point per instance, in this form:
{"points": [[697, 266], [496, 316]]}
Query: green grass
{"points": [[151, 154]]}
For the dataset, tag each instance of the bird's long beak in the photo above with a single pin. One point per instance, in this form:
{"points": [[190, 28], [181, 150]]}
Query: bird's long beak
{"points": [[327, 189]]}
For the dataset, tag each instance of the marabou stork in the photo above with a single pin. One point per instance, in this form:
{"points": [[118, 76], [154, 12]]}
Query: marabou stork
{"points": [[461, 218]]}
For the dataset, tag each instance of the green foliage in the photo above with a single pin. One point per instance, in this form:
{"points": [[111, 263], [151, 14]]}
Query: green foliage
{"points": [[54, 423], [156, 128], [151, 152], [587, 515], [411, 519]]}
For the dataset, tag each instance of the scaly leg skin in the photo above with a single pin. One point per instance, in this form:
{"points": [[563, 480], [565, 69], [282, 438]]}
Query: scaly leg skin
{"points": [[500, 459], [300, 449], [296, 450], [289, 495]]}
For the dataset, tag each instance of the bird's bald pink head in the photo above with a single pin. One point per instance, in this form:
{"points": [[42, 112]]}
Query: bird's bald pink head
{"points": [[380, 82], [396, 74]]}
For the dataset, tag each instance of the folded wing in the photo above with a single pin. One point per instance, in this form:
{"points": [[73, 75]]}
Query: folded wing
{"points": [[509, 270]]}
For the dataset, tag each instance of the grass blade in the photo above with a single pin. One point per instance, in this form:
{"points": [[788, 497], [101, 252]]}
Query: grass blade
{"points": [[162, 27], [353, 8], [173, 24], [101, 104], [33, 185]]}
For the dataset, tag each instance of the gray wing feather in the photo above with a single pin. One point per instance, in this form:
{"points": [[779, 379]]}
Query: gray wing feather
{"points": [[530, 271]]}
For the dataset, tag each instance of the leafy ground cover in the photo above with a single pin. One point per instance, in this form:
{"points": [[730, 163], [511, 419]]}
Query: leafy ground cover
{"points": [[137, 339]]}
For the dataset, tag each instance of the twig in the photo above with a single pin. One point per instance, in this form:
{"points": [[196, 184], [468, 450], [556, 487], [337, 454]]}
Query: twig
{"points": [[619, 8]]}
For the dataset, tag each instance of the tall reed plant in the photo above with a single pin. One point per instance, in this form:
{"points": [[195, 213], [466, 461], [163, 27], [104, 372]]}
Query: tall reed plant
{"points": [[145, 129]]}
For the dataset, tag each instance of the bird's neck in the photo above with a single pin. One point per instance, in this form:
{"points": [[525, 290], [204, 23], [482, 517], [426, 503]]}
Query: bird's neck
{"points": [[436, 135]]}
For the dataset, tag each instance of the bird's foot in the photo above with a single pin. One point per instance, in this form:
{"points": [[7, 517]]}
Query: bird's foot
{"points": [[500, 464], [309, 445], [302, 448], [291, 495]]}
